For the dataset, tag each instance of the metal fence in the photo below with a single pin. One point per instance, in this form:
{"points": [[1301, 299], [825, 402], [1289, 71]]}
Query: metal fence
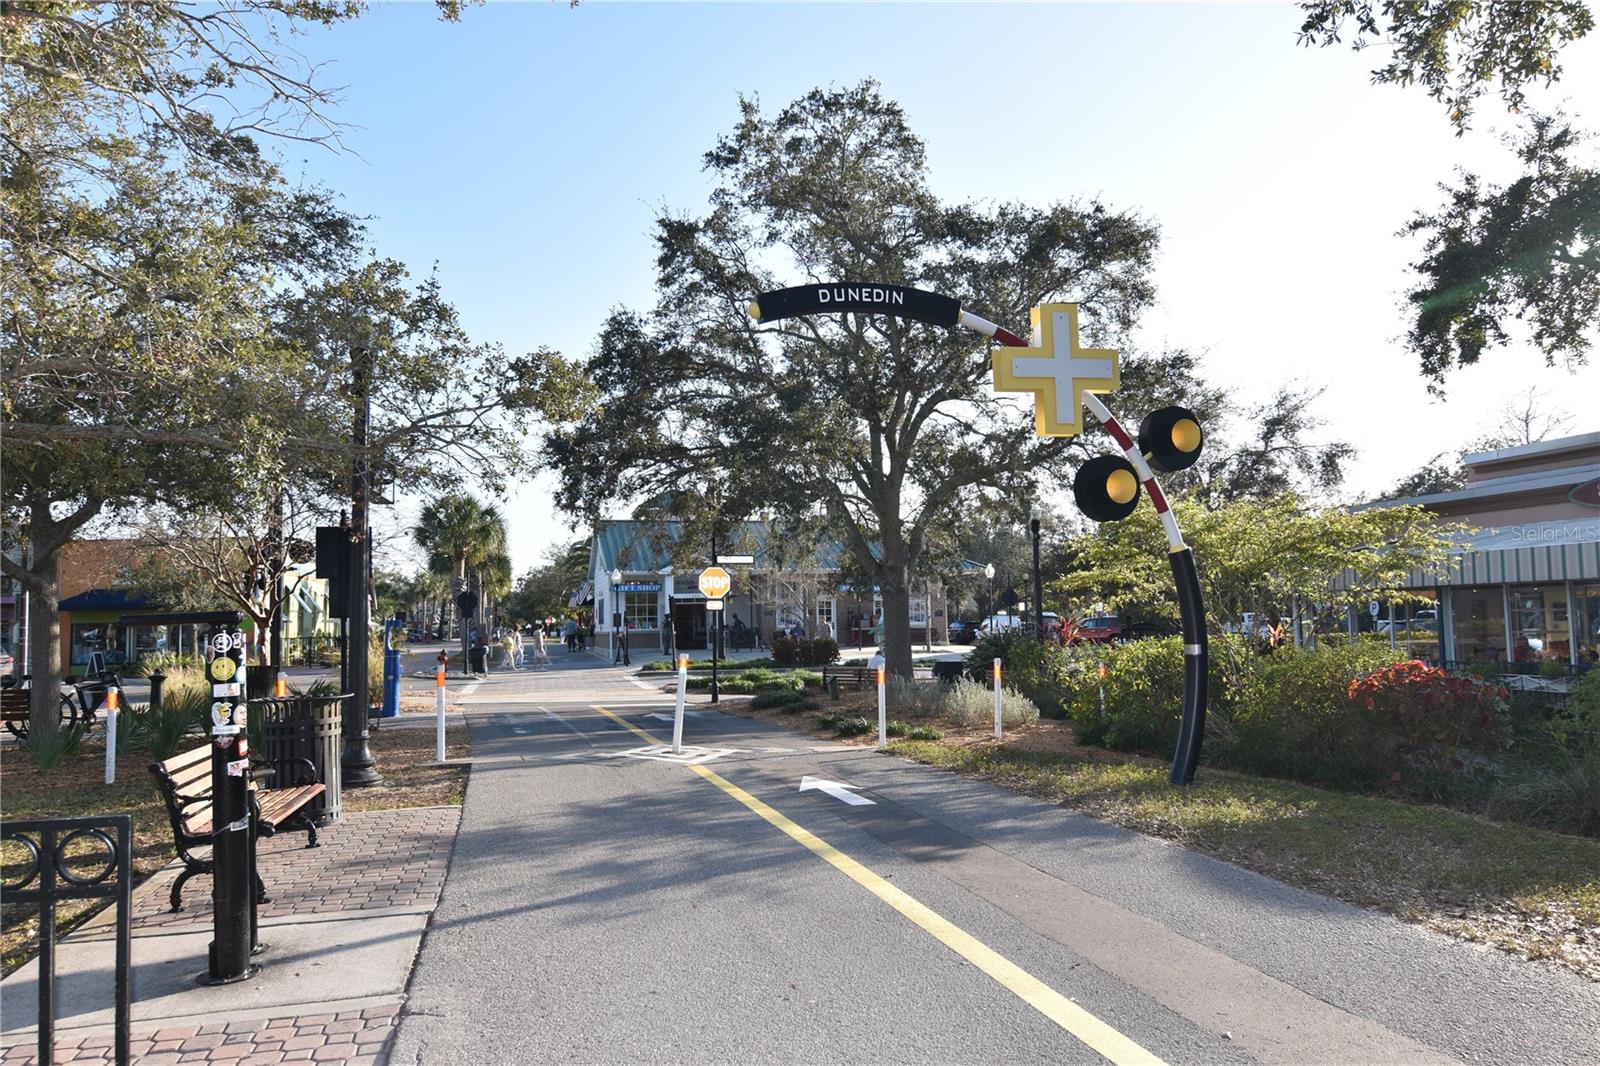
{"points": [[49, 875]]}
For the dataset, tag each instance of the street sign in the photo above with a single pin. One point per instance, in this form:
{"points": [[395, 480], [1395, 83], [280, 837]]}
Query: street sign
{"points": [[737, 560], [861, 298], [713, 605], [1373, 608], [1056, 370], [715, 582]]}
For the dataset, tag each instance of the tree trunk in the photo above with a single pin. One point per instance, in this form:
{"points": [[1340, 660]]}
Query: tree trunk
{"points": [[894, 587], [44, 637]]}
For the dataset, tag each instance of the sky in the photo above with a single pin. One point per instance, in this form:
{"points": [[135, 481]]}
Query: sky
{"points": [[526, 150]]}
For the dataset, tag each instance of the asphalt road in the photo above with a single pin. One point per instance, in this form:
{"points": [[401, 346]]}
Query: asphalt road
{"points": [[607, 905]]}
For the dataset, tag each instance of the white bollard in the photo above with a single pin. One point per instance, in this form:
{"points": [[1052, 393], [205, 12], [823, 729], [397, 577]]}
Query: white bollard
{"points": [[997, 699], [883, 718], [677, 718], [113, 711], [438, 740]]}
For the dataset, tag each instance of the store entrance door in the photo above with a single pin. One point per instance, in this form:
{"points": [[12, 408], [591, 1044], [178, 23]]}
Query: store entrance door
{"points": [[689, 627]]}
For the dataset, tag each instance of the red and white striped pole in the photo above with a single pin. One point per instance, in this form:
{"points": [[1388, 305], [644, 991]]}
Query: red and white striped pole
{"points": [[1191, 608]]}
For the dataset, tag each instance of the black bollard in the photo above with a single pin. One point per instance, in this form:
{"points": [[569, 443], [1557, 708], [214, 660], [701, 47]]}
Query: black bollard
{"points": [[232, 850], [157, 679]]}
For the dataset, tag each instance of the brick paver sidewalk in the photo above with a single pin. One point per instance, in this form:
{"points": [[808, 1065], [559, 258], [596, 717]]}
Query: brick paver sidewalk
{"points": [[368, 861], [359, 1038]]}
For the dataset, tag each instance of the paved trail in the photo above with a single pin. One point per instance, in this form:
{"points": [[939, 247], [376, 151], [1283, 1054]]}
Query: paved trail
{"points": [[605, 905]]}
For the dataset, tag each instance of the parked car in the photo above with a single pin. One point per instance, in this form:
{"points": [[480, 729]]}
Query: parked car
{"points": [[1101, 629], [963, 631], [996, 622]]}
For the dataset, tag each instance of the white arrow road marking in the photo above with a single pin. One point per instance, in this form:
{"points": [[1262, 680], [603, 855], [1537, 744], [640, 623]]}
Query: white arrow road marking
{"points": [[835, 789]]}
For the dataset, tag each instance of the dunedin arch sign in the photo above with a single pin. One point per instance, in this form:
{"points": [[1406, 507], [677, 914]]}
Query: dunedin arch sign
{"points": [[868, 298]]}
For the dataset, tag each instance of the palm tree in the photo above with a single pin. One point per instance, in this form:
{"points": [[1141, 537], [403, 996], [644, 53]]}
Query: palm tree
{"points": [[459, 532]]}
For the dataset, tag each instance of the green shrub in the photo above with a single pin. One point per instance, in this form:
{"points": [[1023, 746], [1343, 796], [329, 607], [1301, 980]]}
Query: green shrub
{"points": [[48, 751], [924, 732], [784, 699], [789, 651], [1037, 669], [1143, 697], [165, 731], [853, 727], [969, 703], [1291, 715], [735, 685], [846, 725], [896, 728], [1555, 779]]}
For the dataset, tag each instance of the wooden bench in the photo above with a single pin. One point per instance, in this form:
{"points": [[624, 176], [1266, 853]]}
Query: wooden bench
{"points": [[14, 710], [185, 783], [835, 676]]}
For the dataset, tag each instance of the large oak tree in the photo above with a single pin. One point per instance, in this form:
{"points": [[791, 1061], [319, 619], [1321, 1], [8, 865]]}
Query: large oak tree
{"points": [[886, 427]]}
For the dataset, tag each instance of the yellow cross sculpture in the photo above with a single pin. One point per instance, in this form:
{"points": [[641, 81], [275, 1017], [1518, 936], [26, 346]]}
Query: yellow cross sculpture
{"points": [[1056, 370]]}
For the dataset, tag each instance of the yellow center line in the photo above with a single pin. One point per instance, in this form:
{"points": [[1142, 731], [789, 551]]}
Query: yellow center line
{"points": [[1083, 1025]]}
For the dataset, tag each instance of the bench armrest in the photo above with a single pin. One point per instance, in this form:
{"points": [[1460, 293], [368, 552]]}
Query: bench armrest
{"points": [[305, 771]]}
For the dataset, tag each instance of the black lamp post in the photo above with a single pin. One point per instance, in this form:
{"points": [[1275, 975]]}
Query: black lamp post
{"points": [[619, 621], [358, 767], [1038, 578]]}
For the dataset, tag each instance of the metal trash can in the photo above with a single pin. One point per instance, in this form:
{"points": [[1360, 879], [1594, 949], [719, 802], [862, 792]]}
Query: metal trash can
{"points": [[305, 727]]}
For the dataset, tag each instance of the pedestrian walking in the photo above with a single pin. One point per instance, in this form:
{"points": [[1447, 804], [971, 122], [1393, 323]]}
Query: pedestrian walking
{"points": [[541, 655], [570, 632]]}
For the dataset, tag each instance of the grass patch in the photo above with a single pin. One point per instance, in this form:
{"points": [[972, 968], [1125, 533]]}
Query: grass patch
{"points": [[1527, 891]]}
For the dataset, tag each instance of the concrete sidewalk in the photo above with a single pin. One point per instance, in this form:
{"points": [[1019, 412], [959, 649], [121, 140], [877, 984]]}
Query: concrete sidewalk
{"points": [[342, 930]]}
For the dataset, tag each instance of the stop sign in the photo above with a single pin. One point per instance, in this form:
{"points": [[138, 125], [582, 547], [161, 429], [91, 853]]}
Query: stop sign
{"points": [[715, 582]]}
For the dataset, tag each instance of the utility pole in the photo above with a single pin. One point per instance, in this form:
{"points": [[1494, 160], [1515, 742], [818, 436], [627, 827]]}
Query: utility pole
{"points": [[357, 764]]}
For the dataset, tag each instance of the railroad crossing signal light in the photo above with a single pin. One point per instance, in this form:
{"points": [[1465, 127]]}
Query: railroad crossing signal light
{"points": [[1106, 488], [1171, 438]]}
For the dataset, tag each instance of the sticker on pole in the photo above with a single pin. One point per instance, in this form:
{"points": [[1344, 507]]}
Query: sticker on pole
{"points": [[223, 669], [237, 767], [715, 582]]}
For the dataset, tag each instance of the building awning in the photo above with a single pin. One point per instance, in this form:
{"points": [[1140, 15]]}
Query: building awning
{"points": [[1564, 549], [108, 600]]}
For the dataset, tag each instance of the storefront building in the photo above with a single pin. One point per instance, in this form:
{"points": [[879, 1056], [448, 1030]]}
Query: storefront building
{"points": [[1524, 593], [787, 589]]}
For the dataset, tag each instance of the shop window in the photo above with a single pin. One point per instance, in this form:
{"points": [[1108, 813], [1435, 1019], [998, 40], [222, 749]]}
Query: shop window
{"points": [[919, 611], [1541, 630], [105, 637], [1479, 622], [1586, 622], [1421, 629], [640, 610], [825, 610]]}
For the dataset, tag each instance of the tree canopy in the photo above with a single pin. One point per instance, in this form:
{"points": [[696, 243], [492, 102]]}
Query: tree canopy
{"points": [[1261, 556], [886, 427]]}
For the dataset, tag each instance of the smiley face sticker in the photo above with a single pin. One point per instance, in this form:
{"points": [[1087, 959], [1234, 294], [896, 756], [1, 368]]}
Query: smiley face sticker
{"points": [[223, 668]]}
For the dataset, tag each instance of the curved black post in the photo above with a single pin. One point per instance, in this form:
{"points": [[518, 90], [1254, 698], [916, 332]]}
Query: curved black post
{"points": [[1192, 613]]}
